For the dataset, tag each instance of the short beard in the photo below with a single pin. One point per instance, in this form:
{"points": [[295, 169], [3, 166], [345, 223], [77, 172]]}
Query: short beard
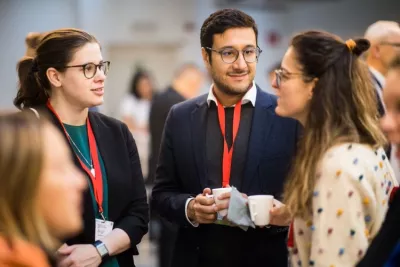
{"points": [[226, 89]]}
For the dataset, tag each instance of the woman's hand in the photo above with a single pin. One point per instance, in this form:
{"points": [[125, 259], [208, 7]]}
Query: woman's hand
{"points": [[279, 214], [79, 256]]}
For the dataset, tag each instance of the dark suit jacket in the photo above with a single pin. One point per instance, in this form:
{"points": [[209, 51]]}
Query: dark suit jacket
{"points": [[182, 171], [388, 237], [128, 207], [160, 107]]}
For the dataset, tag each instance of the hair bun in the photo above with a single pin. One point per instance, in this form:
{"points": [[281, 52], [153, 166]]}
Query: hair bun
{"points": [[362, 45]]}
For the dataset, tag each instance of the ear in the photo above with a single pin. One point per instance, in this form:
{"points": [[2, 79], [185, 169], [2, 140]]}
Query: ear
{"points": [[376, 51], [205, 57], [54, 77], [311, 87]]}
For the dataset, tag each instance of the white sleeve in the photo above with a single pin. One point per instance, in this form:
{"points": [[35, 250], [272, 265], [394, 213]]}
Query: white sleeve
{"points": [[195, 224]]}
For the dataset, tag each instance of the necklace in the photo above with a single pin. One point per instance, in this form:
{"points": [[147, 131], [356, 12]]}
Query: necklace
{"points": [[89, 163]]}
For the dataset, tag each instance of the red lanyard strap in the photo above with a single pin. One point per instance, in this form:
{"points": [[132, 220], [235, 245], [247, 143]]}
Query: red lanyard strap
{"points": [[97, 179], [227, 156]]}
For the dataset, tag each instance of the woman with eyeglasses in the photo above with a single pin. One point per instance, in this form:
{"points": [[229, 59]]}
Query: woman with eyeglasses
{"points": [[340, 183], [64, 79]]}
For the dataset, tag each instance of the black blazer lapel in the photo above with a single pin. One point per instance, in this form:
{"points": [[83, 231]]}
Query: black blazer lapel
{"points": [[261, 126], [198, 126], [104, 143]]}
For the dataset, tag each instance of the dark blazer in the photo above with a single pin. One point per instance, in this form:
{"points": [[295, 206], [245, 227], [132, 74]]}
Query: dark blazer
{"points": [[127, 200], [182, 170], [159, 110], [388, 237]]}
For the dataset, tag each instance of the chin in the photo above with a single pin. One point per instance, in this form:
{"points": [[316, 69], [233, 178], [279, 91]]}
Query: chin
{"points": [[280, 112]]}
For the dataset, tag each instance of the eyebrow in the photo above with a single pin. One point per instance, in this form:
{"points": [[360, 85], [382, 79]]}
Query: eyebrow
{"points": [[229, 46]]}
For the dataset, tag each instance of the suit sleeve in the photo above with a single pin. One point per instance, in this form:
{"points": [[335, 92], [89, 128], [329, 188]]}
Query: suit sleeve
{"points": [[387, 238], [135, 221], [167, 196]]}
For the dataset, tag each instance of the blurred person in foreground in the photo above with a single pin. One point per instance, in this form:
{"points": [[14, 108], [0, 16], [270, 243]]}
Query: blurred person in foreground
{"points": [[40, 191], [62, 81], [338, 188], [385, 248]]}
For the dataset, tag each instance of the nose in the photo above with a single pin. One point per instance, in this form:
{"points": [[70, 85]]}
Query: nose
{"points": [[240, 63], [79, 182], [100, 76], [388, 123], [274, 83]]}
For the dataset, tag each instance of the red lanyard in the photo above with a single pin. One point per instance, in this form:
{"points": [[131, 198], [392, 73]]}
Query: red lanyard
{"points": [[97, 181], [227, 156]]}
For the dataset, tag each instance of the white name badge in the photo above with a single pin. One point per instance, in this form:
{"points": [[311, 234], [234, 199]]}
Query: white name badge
{"points": [[103, 228]]}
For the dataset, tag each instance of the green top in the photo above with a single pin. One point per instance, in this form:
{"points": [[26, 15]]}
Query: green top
{"points": [[79, 137]]}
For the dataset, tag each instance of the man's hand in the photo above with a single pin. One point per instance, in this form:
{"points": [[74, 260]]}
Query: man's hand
{"points": [[202, 209]]}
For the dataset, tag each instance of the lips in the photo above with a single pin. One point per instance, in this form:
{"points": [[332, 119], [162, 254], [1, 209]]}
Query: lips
{"points": [[98, 91]]}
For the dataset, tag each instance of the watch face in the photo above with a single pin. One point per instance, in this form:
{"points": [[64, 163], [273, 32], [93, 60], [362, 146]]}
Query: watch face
{"points": [[102, 250]]}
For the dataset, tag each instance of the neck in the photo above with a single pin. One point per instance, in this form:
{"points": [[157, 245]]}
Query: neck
{"points": [[68, 113], [226, 100], [181, 89], [378, 66]]}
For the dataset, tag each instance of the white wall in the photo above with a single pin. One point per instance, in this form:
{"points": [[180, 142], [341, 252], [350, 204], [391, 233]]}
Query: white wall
{"points": [[17, 19]]}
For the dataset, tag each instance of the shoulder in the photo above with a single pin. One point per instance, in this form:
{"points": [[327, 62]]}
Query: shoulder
{"points": [[356, 161], [191, 104], [21, 253], [106, 122]]}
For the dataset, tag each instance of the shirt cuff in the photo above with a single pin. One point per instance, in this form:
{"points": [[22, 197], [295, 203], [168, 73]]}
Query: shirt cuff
{"points": [[194, 224]]}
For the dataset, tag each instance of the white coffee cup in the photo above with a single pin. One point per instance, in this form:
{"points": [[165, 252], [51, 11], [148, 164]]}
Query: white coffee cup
{"points": [[260, 206], [216, 193]]}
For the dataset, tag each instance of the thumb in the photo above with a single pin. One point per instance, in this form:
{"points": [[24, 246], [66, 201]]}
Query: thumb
{"points": [[66, 250], [207, 191]]}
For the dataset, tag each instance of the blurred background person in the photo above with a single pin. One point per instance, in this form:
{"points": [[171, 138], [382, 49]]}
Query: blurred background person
{"points": [[384, 37], [341, 175], [66, 77], [40, 191], [134, 111], [186, 84], [385, 248]]}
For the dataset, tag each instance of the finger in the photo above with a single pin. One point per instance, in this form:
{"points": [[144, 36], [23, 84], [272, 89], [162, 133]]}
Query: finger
{"points": [[66, 262], [198, 208], [222, 206], [206, 218], [207, 191], [224, 196], [205, 201], [66, 250], [245, 196]]}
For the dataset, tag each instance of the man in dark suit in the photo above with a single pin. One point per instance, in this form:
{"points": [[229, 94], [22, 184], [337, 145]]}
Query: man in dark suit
{"points": [[194, 150], [186, 84], [384, 37]]}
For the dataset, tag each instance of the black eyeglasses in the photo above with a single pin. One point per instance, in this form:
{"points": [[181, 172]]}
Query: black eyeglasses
{"points": [[90, 69], [281, 74], [230, 55], [391, 44]]}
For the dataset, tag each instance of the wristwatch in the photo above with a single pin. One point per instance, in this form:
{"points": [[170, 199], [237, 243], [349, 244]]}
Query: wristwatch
{"points": [[101, 249]]}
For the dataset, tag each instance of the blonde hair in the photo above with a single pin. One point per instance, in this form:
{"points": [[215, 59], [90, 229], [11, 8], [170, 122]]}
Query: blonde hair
{"points": [[21, 161], [343, 109]]}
